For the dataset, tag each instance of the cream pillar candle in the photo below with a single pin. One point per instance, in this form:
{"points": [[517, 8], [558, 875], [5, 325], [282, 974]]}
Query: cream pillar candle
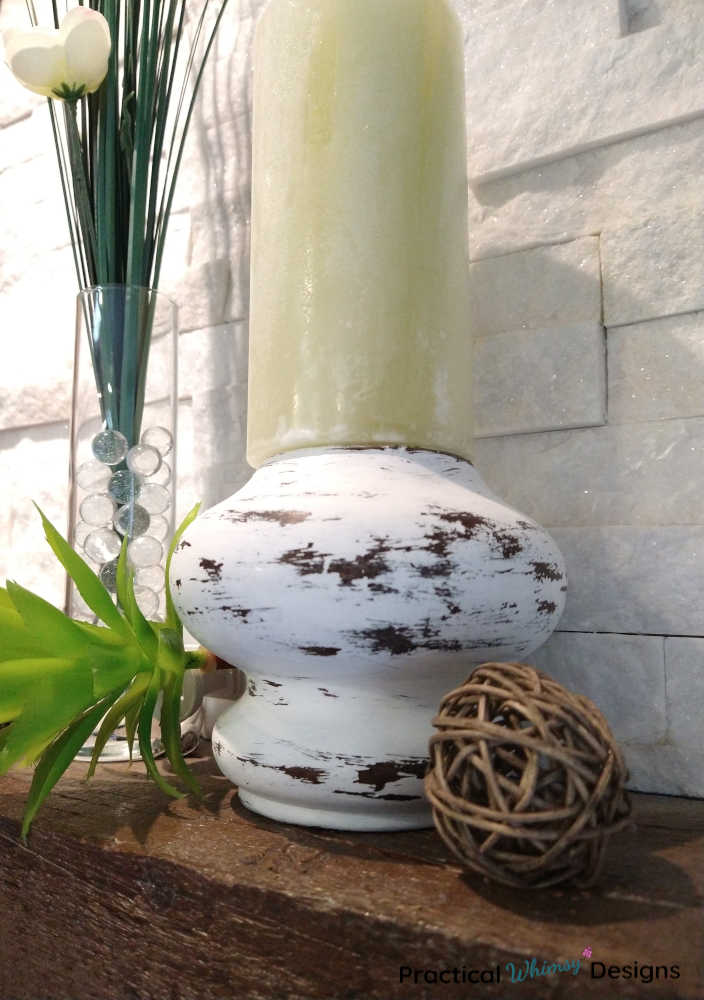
{"points": [[359, 317]]}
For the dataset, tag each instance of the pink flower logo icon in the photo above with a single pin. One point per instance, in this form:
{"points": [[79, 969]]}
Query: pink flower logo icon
{"points": [[587, 953]]}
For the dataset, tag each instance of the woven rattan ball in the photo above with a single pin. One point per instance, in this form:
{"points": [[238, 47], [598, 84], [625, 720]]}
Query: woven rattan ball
{"points": [[525, 780]]}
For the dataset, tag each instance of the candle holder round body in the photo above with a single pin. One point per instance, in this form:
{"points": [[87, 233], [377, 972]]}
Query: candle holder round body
{"points": [[365, 565], [355, 586]]}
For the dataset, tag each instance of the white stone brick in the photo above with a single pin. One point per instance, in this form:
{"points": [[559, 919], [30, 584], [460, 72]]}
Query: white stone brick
{"points": [[226, 85], [219, 230], [211, 294], [186, 493], [27, 138], [219, 426], [533, 289], [655, 268], [34, 464], [656, 369], [665, 769], [202, 295], [553, 76], [630, 474], [37, 318], [216, 165], [24, 405], [219, 481], [213, 358], [177, 250], [599, 21], [624, 675], [684, 671], [604, 188], [629, 579], [536, 380], [34, 217], [16, 102]]}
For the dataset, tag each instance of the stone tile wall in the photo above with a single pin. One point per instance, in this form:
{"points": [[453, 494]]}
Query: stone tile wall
{"points": [[587, 242], [586, 145]]}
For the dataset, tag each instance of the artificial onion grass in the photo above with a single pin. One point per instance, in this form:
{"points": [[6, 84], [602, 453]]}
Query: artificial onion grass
{"points": [[119, 151]]}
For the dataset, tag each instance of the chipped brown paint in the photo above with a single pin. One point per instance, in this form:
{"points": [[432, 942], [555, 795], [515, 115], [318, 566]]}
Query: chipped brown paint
{"points": [[442, 568], [381, 588], [320, 650], [394, 639], [389, 797], [274, 684], [184, 544], [366, 566], [546, 571], [251, 687], [509, 544], [305, 560], [546, 607], [438, 543], [383, 772], [237, 612], [312, 775], [398, 640], [282, 517], [464, 527], [468, 521], [212, 568], [328, 694], [446, 593]]}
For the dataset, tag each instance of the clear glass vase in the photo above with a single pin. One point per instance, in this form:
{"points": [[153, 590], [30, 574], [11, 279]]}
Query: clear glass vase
{"points": [[122, 466]]}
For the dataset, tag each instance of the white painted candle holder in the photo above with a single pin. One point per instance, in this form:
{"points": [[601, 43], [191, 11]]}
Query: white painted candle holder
{"points": [[355, 587]]}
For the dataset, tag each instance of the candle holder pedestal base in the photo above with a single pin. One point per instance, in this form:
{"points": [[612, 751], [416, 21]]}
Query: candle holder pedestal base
{"points": [[355, 586]]}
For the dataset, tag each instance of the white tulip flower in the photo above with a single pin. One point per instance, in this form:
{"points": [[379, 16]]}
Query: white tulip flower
{"points": [[63, 63]]}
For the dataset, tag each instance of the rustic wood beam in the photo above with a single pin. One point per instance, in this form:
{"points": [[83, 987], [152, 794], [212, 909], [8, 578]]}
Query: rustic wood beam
{"points": [[121, 895]]}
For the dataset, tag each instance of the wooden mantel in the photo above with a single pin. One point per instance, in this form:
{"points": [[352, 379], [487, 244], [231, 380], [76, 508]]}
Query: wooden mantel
{"points": [[122, 895]]}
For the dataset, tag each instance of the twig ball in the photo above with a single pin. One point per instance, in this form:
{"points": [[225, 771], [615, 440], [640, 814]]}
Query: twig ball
{"points": [[526, 781]]}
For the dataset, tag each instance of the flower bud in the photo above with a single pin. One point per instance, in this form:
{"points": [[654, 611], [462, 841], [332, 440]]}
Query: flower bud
{"points": [[63, 63]]}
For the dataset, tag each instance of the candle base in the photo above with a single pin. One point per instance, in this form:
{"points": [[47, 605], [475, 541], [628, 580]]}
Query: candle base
{"points": [[355, 587]]}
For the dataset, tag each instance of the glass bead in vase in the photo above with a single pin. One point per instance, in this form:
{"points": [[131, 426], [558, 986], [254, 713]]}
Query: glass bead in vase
{"points": [[122, 464]]}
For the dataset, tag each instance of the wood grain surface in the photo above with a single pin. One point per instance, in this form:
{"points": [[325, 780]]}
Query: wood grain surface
{"points": [[121, 895]]}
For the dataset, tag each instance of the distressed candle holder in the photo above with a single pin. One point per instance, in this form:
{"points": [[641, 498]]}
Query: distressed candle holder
{"points": [[365, 563], [353, 586]]}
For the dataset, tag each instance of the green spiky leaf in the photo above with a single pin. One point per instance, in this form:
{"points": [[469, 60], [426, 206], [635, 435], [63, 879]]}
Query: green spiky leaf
{"points": [[144, 632], [146, 715], [172, 619], [131, 723], [56, 759], [133, 696], [59, 678], [65, 690], [87, 583], [47, 622]]}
